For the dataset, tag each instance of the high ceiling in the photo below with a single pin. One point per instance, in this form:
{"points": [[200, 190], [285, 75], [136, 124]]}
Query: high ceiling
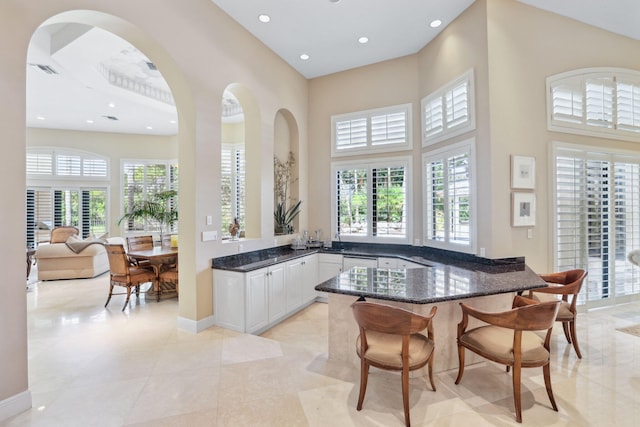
{"points": [[83, 78]]}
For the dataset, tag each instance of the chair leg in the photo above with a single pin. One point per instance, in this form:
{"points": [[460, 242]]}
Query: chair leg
{"points": [[159, 291], [565, 328], [364, 376], [546, 369], [128, 296], [109, 297], [433, 385], [137, 291], [461, 363], [405, 394], [574, 338], [516, 391]]}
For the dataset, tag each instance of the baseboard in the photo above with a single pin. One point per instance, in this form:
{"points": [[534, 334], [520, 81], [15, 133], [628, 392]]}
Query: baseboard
{"points": [[15, 405], [195, 326]]}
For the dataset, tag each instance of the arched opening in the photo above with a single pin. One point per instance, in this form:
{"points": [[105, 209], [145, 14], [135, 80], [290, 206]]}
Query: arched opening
{"points": [[69, 26], [240, 164], [286, 192]]}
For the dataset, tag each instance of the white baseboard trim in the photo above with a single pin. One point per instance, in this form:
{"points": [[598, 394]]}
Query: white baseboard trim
{"points": [[196, 326], [15, 404]]}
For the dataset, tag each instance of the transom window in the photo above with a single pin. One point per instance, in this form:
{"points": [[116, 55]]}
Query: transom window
{"points": [[449, 111], [595, 102], [449, 207], [370, 201], [380, 130], [45, 162]]}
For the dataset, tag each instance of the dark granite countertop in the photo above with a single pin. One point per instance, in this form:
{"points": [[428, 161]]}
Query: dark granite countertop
{"points": [[428, 285], [254, 260]]}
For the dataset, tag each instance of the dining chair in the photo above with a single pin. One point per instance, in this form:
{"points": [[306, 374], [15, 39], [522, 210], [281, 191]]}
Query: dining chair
{"points": [[139, 243], [564, 285], [509, 338], [390, 339], [122, 273], [169, 274]]}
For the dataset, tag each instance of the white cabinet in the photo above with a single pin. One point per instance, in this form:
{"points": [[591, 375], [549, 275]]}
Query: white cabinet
{"points": [[294, 284], [257, 299], [329, 266], [229, 299], [309, 278], [253, 301], [348, 262]]}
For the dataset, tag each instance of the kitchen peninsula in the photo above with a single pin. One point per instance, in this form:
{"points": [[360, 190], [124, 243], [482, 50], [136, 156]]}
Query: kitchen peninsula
{"points": [[482, 285]]}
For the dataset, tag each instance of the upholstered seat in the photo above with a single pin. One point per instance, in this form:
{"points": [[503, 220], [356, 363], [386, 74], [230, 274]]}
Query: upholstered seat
{"points": [[390, 339], [126, 275]]}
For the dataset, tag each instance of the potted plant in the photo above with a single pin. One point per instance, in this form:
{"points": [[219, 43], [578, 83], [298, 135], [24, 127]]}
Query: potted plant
{"points": [[286, 208], [157, 208]]}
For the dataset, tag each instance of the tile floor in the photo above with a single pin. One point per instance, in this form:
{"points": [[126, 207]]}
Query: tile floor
{"points": [[90, 366]]}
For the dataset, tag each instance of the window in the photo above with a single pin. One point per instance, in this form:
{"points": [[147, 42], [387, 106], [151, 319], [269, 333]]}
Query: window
{"points": [[85, 208], [596, 102], [370, 201], [449, 111], [381, 130], [597, 219], [233, 186], [44, 161], [449, 209], [142, 178]]}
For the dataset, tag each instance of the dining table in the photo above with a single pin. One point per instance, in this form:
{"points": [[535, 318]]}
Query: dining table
{"points": [[158, 257]]}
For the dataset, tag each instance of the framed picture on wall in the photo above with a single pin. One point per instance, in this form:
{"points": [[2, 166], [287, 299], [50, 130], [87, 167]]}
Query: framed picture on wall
{"points": [[523, 172], [523, 209]]}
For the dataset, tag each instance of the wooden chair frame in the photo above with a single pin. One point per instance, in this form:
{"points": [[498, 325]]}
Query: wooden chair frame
{"points": [[122, 273], [396, 321], [567, 283], [526, 316]]}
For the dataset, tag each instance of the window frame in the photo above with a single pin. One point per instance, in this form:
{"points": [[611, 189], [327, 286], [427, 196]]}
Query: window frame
{"points": [[370, 147], [370, 164], [443, 153], [447, 132], [171, 183], [576, 79], [55, 154]]}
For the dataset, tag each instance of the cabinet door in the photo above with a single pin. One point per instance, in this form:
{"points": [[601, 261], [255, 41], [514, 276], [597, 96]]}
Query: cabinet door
{"points": [[228, 299], [329, 266], [309, 278], [277, 293], [294, 285], [257, 311]]}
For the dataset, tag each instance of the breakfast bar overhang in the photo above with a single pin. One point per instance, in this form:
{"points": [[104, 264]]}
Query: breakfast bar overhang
{"points": [[417, 290]]}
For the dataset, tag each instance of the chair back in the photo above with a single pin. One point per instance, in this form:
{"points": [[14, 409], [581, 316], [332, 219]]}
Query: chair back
{"points": [[571, 281], [536, 317], [388, 319], [61, 233], [118, 260], [139, 243]]}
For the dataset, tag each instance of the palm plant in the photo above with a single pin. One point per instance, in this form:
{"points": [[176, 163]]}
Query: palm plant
{"points": [[284, 216], [157, 208]]}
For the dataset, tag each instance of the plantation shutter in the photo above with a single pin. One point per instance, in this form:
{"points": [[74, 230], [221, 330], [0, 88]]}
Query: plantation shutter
{"points": [[566, 101], [435, 206], [628, 106], [458, 194], [389, 201], [351, 133], [31, 218], [433, 117], [86, 214], [457, 102], [389, 128], [599, 102], [352, 201], [39, 163], [68, 165], [94, 167]]}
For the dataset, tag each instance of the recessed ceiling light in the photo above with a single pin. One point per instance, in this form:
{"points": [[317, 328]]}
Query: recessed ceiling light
{"points": [[334, 1], [112, 105], [435, 23], [89, 121], [363, 40], [173, 122], [40, 118], [304, 56], [264, 18], [149, 127]]}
